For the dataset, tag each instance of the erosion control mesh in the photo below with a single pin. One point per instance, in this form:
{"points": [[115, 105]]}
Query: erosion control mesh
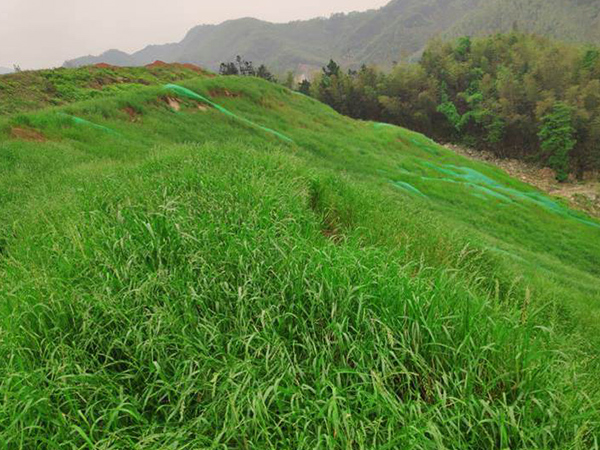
{"points": [[381, 125], [184, 92], [80, 121], [482, 186], [429, 148], [407, 187]]}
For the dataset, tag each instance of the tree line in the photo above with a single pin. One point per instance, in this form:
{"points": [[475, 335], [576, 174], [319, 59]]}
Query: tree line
{"points": [[518, 95], [246, 68]]}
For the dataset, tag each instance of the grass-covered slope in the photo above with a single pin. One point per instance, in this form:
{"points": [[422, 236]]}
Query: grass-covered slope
{"points": [[31, 90], [172, 276]]}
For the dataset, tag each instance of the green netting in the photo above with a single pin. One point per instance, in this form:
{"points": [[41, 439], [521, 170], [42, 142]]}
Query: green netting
{"points": [[427, 147], [490, 192], [465, 174], [547, 203], [408, 188], [380, 125], [80, 121], [184, 92], [491, 187], [474, 176], [302, 94]]}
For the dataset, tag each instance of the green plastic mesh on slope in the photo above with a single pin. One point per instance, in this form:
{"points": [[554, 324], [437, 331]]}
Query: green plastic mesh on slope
{"points": [[184, 92], [480, 185], [475, 179], [380, 125], [429, 148], [80, 121], [490, 192], [406, 187]]}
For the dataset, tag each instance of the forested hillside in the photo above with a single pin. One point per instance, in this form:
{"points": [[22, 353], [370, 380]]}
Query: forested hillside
{"points": [[519, 95], [568, 20], [395, 32]]}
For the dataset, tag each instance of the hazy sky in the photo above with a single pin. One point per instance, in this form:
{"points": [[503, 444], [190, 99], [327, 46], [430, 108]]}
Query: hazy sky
{"points": [[45, 33]]}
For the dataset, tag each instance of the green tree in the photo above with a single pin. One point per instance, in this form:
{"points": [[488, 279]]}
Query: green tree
{"points": [[264, 73], [304, 87], [332, 69], [229, 69], [557, 139], [289, 80]]}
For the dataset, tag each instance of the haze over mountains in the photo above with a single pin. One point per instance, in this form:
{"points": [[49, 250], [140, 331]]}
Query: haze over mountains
{"points": [[399, 29], [5, 70]]}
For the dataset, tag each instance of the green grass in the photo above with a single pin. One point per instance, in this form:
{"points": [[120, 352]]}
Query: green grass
{"points": [[188, 280], [31, 90]]}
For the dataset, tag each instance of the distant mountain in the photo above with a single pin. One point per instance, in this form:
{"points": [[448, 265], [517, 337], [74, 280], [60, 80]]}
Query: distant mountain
{"points": [[398, 30], [568, 20], [5, 70], [376, 36]]}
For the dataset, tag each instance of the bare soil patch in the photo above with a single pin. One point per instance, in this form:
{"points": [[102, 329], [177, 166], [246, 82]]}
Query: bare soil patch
{"points": [[27, 134], [173, 103], [220, 92], [134, 116], [157, 63], [104, 66]]}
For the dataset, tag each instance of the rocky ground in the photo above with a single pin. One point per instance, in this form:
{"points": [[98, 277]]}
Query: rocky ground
{"points": [[583, 195]]}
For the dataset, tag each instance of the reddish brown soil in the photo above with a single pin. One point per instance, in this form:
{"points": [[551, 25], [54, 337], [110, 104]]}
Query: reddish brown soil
{"points": [[224, 93], [27, 134], [134, 116], [173, 103], [157, 63], [195, 68], [103, 66]]}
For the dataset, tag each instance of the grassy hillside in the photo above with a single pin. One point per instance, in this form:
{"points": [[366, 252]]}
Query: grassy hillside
{"points": [[224, 263], [398, 30], [31, 90]]}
